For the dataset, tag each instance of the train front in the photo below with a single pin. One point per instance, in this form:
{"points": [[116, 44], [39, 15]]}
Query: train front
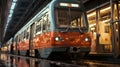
{"points": [[71, 32]]}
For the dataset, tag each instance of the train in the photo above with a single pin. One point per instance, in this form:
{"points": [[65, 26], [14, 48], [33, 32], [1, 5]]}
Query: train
{"points": [[60, 29]]}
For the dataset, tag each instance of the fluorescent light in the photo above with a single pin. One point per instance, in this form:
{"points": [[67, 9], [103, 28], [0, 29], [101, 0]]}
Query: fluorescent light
{"points": [[10, 15], [91, 14], [11, 11], [14, 0], [105, 9], [9, 18], [69, 5], [13, 5]]}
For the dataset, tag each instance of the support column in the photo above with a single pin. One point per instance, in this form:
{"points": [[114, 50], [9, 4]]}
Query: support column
{"points": [[112, 28], [118, 26]]}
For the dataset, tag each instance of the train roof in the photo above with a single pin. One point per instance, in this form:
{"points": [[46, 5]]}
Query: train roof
{"points": [[34, 19]]}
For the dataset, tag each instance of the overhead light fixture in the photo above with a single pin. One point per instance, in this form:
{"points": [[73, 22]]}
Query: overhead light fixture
{"points": [[13, 5], [91, 14], [105, 9], [10, 15], [11, 11], [75, 5], [63, 4], [14, 0]]}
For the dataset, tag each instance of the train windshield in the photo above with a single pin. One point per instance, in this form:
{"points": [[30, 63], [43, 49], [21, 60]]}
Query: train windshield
{"points": [[70, 18]]}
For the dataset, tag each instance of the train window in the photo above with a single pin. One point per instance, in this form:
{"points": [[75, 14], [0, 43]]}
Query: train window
{"points": [[46, 24], [39, 26], [43, 24], [107, 29], [19, 38], [15, 39], [25, 33], [62, 18], [69, 18], [74, 23], [78, 19], [22, 36]]}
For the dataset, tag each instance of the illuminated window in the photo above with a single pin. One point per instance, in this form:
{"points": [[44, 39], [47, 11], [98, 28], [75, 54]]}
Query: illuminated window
{"points": [[39, 26], [92, 19], [105, 14], [43, 24], [74, 18]]}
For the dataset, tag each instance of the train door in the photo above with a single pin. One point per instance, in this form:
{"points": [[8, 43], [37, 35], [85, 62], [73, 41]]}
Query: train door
{"points": [[99, 23], [31, 46], [104, 29]]}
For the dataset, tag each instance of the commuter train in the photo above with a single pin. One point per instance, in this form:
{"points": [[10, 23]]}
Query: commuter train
{"points": [[6, 48], [59, 29]]}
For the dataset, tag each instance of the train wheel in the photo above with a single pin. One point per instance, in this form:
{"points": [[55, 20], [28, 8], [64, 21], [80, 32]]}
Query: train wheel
{"points": [[27, 53]]}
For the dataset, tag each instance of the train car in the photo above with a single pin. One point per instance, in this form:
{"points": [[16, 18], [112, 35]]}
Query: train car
{"points": [[9, 43], [6, 48], [59, 29]]}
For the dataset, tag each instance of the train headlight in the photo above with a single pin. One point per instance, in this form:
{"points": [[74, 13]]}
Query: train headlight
{"points": [[87, 39], [58, 39]]}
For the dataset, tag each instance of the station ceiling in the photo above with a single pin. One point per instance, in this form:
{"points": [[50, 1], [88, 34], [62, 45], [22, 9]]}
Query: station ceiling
{"points": [[23, 12]]}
